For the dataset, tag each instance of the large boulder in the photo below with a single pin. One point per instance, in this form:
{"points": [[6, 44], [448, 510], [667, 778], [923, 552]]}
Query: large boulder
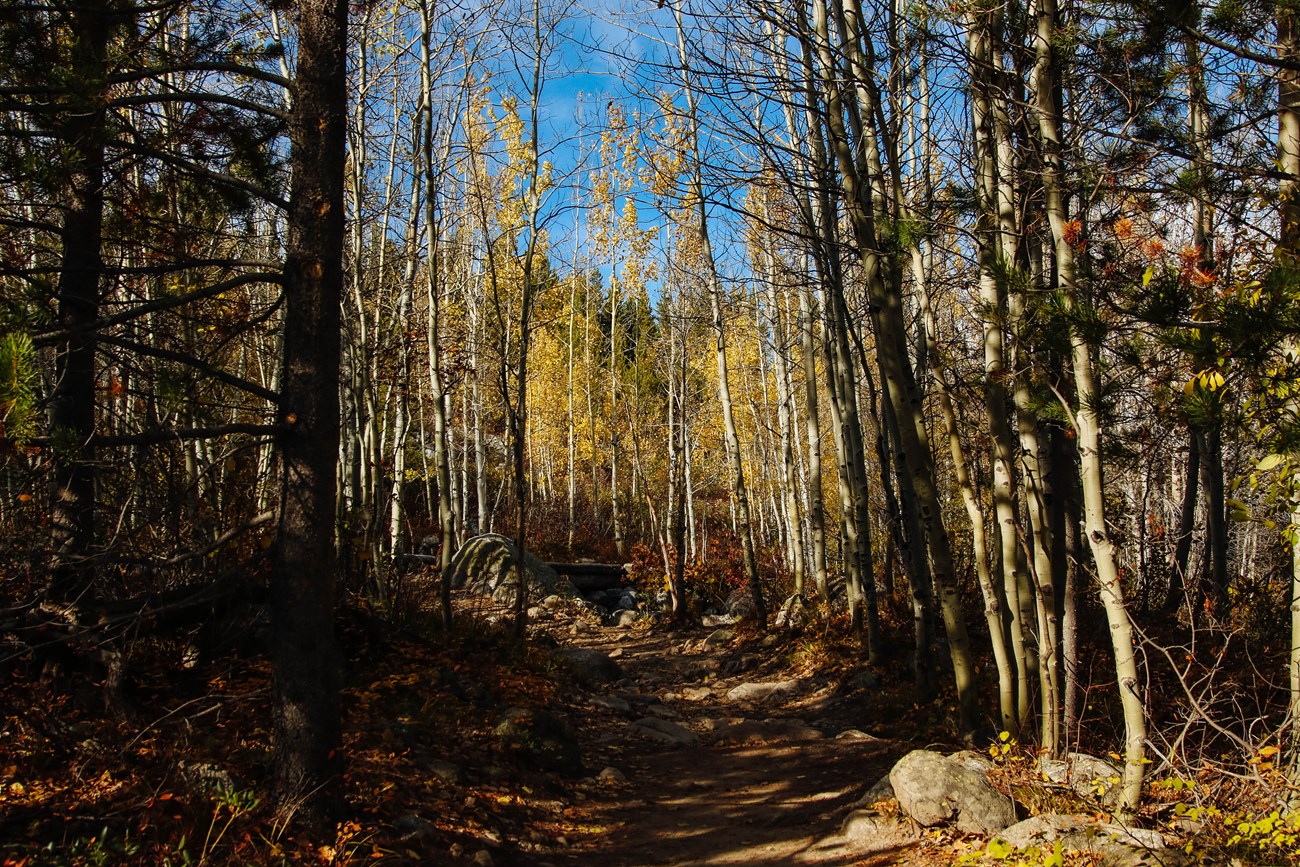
{"points": [[485, 564], [934, 789]]}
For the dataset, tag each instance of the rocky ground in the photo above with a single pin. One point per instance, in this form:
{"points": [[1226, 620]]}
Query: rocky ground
{"points": [[716, 759]]}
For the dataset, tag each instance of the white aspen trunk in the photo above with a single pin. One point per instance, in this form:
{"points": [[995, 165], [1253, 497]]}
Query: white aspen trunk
{"points": [[1288, 140], [996, 254], [571, 430], [807, 331], [1087, 423], [615, 347], [789, 486]]}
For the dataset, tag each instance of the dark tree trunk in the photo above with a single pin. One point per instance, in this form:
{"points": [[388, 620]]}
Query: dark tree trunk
{"points": [[72, 402], [304, 658], [1216, 521]]}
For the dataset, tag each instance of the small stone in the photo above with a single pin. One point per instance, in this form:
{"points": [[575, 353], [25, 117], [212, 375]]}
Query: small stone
{"points": [[625, 618], [855, 735], [612, 776], [612, 702], [869, 831], [758, 692], [615, 653], [719, 638], [483, 858], [697, 693]]}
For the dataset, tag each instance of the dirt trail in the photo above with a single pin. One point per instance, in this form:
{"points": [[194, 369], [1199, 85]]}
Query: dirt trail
{"points": [[763, 794]]}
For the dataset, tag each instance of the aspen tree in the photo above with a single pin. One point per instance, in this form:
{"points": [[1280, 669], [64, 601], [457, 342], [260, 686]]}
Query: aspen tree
{"points": [[1086, 416]]}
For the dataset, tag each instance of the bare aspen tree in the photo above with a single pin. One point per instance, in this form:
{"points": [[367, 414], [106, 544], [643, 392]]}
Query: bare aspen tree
{"points": [[739, 491]]}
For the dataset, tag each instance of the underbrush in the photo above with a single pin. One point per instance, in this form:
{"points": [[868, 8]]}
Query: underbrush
{"points": [[180, 773]]}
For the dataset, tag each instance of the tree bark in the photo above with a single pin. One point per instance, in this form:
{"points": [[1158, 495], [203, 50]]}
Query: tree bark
{"points": [[304, 660]]}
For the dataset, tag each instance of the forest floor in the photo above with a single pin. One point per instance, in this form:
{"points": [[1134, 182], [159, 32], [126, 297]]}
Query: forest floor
{"points": [[173, 767]]}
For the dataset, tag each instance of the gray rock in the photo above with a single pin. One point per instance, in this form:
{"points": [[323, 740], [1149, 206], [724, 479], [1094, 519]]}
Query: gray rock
{"points": [[539, 739], [485, 564], [868, 831], [1090, 777], [792, 614], [591, 667], [719, 638], [1117, 844], [881, 790], [759, 692], [697, 693], [767, 731], [616, 653], [536, 612], [483, 858], [855, 735], [934, 789], [665, 732]]}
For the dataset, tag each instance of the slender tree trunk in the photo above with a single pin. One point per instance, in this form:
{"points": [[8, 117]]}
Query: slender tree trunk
{"points": [[1086, 419], [1186, 526], [739, 491]]}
